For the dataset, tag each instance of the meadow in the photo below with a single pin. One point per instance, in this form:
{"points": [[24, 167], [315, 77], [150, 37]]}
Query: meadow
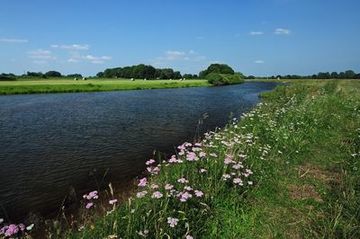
{"points": [[287, 169], [56, 85]]}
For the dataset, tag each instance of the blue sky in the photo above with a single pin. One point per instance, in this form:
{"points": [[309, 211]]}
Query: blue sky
{"points": [[259, 37]]}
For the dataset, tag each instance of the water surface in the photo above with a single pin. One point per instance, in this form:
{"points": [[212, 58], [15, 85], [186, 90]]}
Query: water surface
{"points": [[51, 143]]}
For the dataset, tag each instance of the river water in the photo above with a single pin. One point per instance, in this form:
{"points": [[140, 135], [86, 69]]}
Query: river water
{"points": [[53, 143]]}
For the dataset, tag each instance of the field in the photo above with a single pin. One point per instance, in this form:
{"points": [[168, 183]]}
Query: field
{"points": [[290, 168], [67, 85]]}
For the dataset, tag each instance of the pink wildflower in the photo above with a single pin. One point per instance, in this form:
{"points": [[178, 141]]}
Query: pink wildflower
{"points": [[202, 154], [189, 237], [169, 186], [154, 186], [172, 221], [188, 188], [226, 177], [113, 201], [238, 181], [228, 159], [150, 161], [141, 194], [198, 193], [10, 230], [89, 205], [142, 182], [184, 196], [191, 156], [182, 180], [157, 194], [173, 159]]}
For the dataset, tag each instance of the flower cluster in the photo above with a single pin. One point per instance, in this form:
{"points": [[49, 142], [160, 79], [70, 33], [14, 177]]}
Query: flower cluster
{"points": [[14, 230], [90, 199]]}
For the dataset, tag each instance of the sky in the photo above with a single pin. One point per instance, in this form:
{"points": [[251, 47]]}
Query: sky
{"points": [[255, 37]]}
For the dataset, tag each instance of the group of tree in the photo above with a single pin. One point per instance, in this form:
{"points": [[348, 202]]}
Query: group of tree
{"points": [[349, 74], [140, 72], [221, 74]]}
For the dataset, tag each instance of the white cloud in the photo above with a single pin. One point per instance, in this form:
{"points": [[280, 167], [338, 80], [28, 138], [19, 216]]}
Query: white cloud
{"points": [[254, 33], [41, 56], [172, 55], [282, 31], [96, 59], [76, 47], [13, 40], [259, 62], [72, 60]]}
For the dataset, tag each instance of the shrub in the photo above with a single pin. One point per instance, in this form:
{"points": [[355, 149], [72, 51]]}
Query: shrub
{"points": [[223, 79]]}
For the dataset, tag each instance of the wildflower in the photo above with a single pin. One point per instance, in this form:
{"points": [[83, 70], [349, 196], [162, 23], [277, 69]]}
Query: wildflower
{"points": [[30, 227], [141, 194], [172, 221], [169, 186], [21, 227], [189, 237], [113, 201], [198, 193], [226, 177], [184, 196], [228, 159], [157, 194], [250, 182], [213, 155], [237, 166], [198, 144], [142, 182], [143, 233], [173, 159], [182, 180], [89, 205], [238, 181], [191, 156], [188, 188], [150, 161], [154, 186], [112, 237], [1, 220], [10, 230], [202, 154], [91, 195], [202, 170]]}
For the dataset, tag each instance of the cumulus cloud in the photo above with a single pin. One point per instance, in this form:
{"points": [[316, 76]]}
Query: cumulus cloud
{"points": [[41, 56], [75, 58], [13, 40], [256, 33], [259, 62], [282, 31], [74, 47], [173, 55]]}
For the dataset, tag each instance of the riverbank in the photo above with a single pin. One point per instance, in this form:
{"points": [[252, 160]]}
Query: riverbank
{"points": [[288, 169], [57, 85]]}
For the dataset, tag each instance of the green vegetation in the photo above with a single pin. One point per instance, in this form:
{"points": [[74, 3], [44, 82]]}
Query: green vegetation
{"points": [[221, 74], [56, 85], [290, 168]]}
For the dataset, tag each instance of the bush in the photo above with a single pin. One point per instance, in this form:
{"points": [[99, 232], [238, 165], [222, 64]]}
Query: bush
{"points": [[223, 79], [7, 77]]}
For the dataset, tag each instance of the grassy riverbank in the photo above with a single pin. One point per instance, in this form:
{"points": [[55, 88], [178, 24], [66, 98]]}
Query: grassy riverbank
{"points": [[290, 168], [67, 85]]}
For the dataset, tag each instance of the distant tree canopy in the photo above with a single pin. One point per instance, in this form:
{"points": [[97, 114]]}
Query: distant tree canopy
{"points": [[217, 68], [349, 74], [53, 74], [7, 77], [35, 74], [140, 72], [190, 76], [74, 76]]}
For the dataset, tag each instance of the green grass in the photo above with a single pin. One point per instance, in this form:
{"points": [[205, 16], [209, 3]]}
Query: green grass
{"points": [[67, 85], [302, 144]]}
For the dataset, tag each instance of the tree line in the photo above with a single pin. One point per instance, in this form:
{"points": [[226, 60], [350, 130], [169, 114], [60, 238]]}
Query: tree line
{"points": [[141, 72], [349, 74]]}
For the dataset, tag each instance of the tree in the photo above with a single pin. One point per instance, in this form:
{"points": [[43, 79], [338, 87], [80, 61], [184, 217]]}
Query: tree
{"points": [[53, 74], [217, 68], [74, 75], [334, 75], [349, 74]]}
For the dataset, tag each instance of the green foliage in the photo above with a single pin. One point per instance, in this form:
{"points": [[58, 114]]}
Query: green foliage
{"points": [[74, 76], [53, 74], [223, 79], [140, 72], [7, 77], [217, 68]]}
